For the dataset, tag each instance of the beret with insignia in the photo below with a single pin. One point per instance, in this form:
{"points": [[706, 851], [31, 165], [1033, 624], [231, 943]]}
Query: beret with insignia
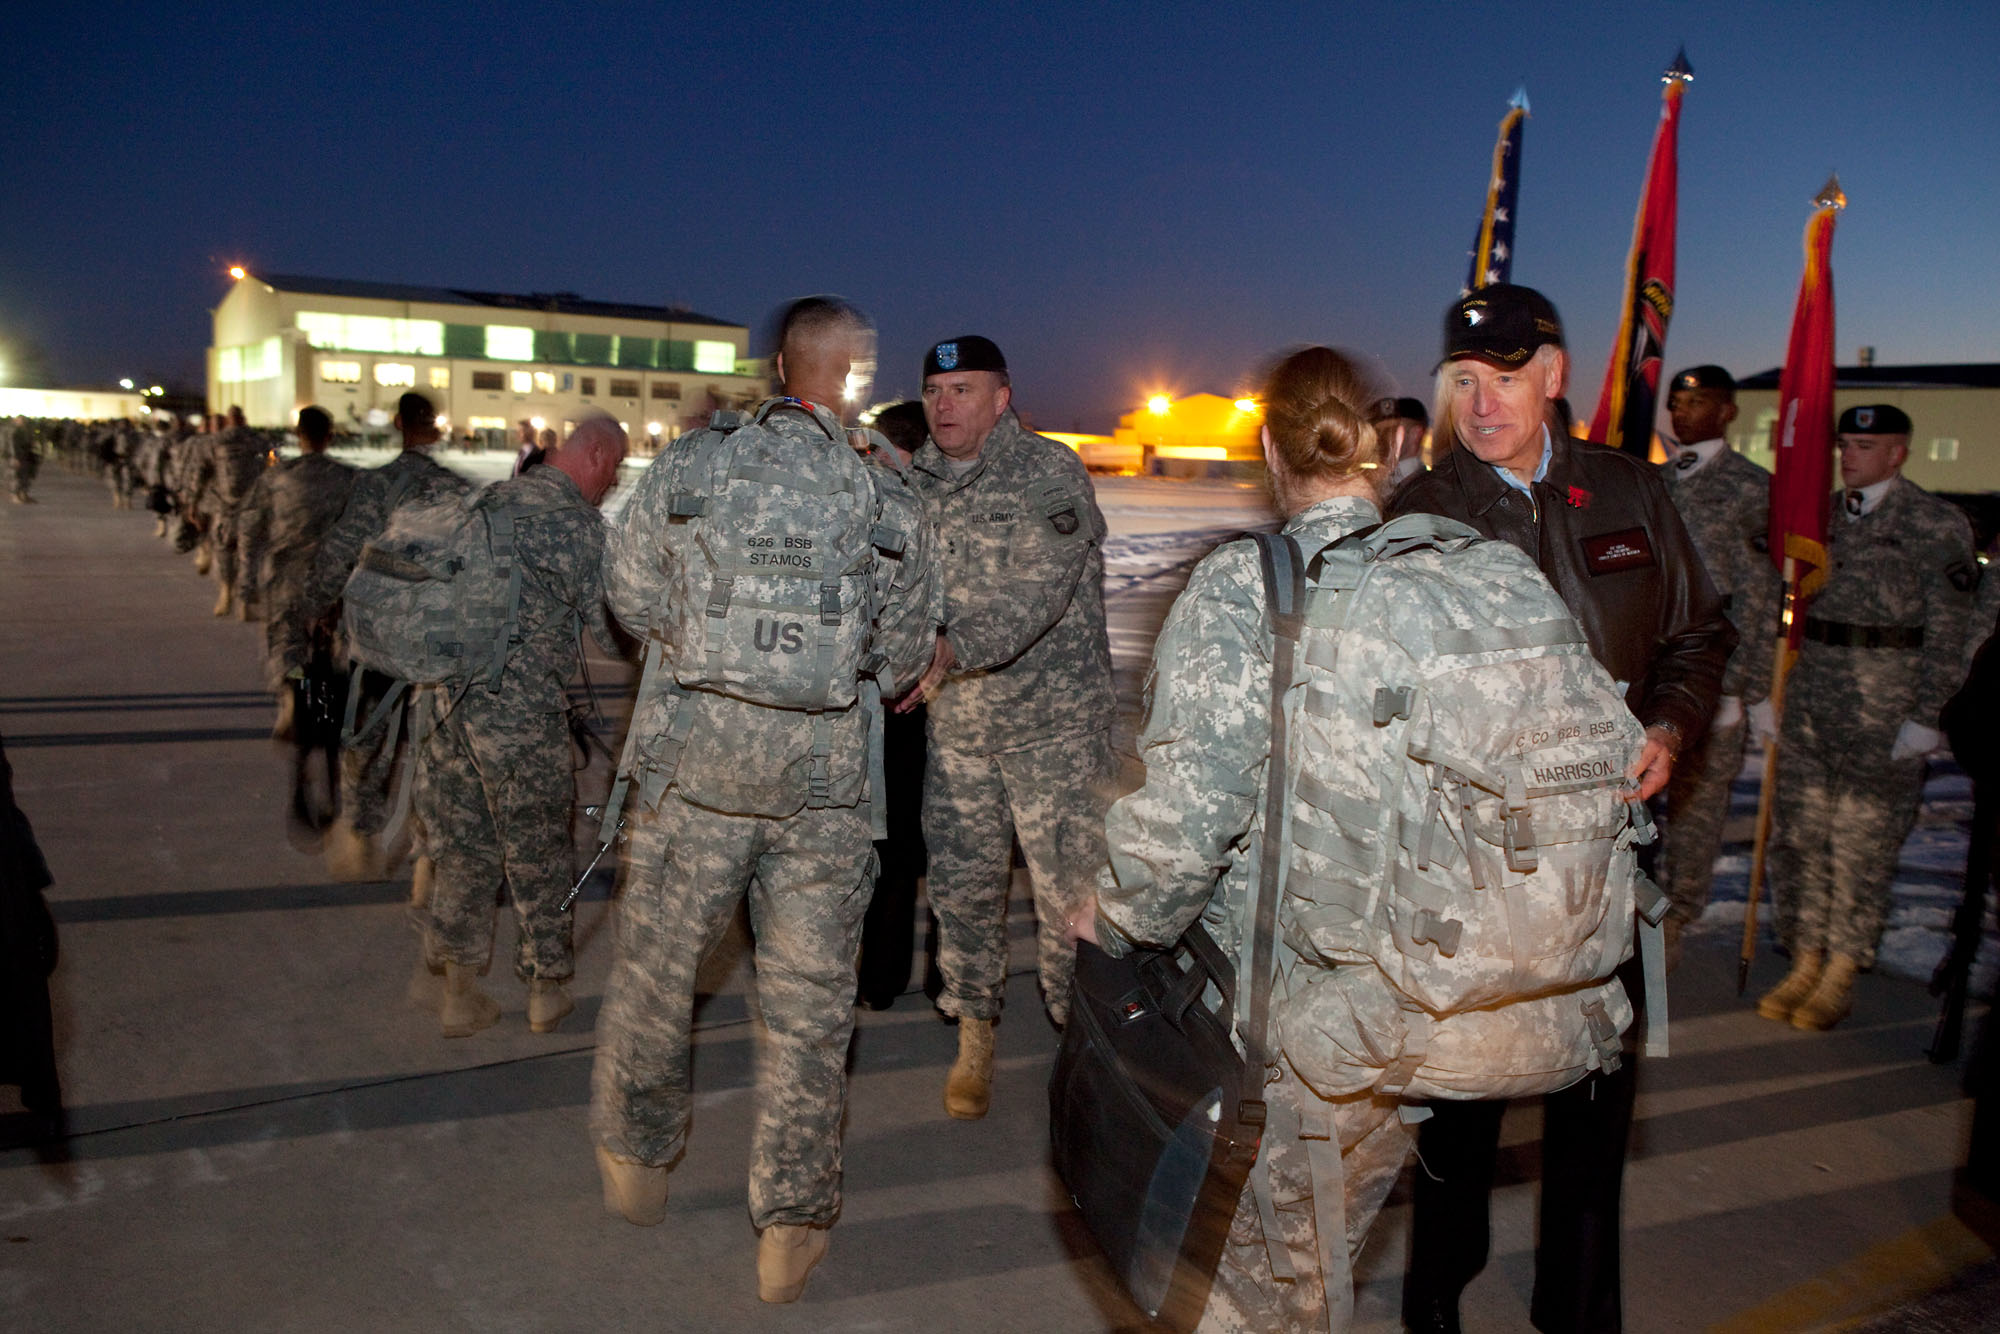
{"points": [[1874, 419], [967, 352], [1705, 377]]}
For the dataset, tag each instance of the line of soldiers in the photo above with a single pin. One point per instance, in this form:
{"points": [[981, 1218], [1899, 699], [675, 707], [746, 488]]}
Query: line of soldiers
{"points": [[990, 612]]}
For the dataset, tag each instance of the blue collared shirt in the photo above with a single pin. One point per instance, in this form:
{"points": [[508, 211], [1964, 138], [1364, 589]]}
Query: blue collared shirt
{"points": [[1541, 472]]}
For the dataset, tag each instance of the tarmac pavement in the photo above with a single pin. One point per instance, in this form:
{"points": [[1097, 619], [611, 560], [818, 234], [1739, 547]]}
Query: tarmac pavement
{"points": [[266, 1136]]}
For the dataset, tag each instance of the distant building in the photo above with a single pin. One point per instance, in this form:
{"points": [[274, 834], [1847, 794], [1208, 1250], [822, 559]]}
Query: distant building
{"points": [[1202, 435], [487, 359], [80, 404], [1954, 408]]}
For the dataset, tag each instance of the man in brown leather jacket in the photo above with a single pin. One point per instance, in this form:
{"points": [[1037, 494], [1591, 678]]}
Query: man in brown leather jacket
{"points": [[1600, 525]]}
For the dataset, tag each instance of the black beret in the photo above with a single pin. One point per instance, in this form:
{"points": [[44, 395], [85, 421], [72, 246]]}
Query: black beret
{"points": [[967, 352], [1390, 409], [1502, 324], [1874, 419], [1705, 377]]}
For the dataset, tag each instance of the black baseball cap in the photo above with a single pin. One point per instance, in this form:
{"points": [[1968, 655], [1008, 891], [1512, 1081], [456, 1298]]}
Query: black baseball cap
{"points": [[1874, 419], [1502, 324], [1704, 377], [967, 352], [1390, 409]]}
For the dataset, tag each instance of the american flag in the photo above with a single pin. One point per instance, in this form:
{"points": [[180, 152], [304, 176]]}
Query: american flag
{"points": [[1493, 246]]}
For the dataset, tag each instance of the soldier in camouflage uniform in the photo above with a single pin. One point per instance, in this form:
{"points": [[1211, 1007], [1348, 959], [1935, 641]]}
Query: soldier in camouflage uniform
{"points": [[187, 479], [1882, 654], [495, 763], [237, 458], [280, 526], [731, 797], [1020, 722], [368, 765], [26, 459], [1725, 501], [1205, 743]]}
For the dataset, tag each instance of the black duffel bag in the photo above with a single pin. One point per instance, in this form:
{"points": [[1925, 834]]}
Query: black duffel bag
{"points": [[1155, 1117]]}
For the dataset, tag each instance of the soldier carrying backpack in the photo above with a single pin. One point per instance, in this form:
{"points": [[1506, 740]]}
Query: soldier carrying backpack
{"points": [[1413, 790], [783, 586]]}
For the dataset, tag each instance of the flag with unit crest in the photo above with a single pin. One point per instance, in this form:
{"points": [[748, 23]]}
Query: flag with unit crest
{"points": [[1624, 416], [1493, 247]]}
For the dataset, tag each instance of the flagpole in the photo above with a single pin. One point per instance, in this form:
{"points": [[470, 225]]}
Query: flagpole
{"points": [[1781, 666]]}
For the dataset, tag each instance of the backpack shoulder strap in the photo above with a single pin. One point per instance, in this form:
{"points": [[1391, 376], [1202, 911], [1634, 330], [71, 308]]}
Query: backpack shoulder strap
{"points": [[1284, 598]]}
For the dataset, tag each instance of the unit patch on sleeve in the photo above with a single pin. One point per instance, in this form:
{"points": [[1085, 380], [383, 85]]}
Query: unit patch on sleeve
{"points": [[1626, 549]]}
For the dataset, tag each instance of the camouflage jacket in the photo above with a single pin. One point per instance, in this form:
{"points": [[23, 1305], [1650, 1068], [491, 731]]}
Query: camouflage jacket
{"points": [[739, 757], [286, 514], [414, 477], [560, 548], [1907, 563], [1726, 505], [1021, 541], [237, 458], [1181, 846]]}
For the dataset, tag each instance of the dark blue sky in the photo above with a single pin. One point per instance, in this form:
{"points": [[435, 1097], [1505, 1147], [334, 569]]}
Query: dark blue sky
{"points": [[1128, 198]]}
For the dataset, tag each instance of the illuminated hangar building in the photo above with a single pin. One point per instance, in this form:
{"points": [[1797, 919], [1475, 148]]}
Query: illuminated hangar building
{"points": [[487, 359]]}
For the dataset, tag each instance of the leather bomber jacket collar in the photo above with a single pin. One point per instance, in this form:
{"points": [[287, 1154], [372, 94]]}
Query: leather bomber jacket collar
{"points": [[1482, 484]]}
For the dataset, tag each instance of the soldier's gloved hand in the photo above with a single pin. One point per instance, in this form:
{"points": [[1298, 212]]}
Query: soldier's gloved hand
{"points": [[1728, 712], [1914, 739], [1763, 722]]}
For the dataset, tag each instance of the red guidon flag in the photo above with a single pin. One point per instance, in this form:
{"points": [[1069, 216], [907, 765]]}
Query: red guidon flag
{"points": [[1624, 416], [1803, 434]]}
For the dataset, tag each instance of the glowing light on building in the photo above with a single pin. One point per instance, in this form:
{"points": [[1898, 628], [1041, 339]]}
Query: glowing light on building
{"points": [[1246, 405], [1159, 405], [236, 272]]}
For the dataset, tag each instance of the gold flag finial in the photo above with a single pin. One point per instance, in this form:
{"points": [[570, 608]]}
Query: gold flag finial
{"points": [[1830, 195], [1680, 71]]}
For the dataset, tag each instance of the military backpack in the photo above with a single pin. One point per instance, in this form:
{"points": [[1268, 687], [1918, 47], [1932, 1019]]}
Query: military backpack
{"points": [[1458, 874], [776, 602], [435, 598]]}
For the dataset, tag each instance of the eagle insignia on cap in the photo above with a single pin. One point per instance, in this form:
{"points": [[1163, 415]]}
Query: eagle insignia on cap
{"points": [[1474, 315], [1689, 381], [947, 356], [1864, 418]]}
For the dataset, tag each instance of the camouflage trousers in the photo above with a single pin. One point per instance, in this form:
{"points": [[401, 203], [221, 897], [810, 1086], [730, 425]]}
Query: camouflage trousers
{"points": [[497, 790], [287, 631], [369, 763], [1697, 808], [223, 547], [808, 878], [1053, 798], [1247, 1296], [1841, 812]]}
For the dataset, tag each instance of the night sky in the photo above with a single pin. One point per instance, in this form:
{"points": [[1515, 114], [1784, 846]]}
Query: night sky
{"points": [[1129, 199]]}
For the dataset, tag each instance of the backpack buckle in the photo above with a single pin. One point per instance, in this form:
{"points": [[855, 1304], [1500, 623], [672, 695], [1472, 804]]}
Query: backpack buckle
{"points": [[1442, 932], [1392, 704], [829, 604]]}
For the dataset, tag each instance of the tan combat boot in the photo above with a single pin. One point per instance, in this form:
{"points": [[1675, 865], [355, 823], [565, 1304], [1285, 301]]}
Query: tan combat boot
{"points": [[224, 600], [288, 703], [632, 1190], [351, 856], [786, 1254], [1779, 1002], [466, 1008], [201, 558], [548, 1002], [969, 1090], [1831, 998]]}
